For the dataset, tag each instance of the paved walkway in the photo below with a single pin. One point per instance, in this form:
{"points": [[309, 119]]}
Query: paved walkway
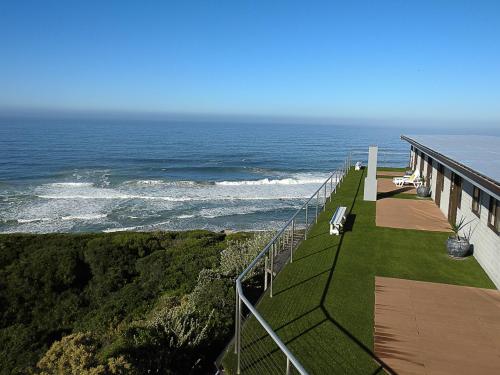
{"points": [[410, 214], [431, 328], [385, 185]]}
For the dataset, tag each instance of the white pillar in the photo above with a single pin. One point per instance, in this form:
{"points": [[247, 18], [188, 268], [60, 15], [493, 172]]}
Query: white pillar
{"points": [[370, 193]]}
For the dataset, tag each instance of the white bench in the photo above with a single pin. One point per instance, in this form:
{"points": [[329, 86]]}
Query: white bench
{"points": [[337, 220]]}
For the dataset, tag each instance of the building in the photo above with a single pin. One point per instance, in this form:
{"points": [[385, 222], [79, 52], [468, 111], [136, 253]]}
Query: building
{"points": [[463, 172]]}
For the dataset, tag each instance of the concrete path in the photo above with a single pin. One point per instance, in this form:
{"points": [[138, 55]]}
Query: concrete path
{"points": [[431, 328]]}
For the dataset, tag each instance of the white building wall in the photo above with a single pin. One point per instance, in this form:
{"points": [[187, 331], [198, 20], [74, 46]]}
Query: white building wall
{"points": [[420, 161], [434, 179], [445, 194], [485, 241]]}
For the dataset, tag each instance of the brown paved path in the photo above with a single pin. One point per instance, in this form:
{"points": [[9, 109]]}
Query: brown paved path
{"points": [[410, 214], [436, 329], [385, 185]]}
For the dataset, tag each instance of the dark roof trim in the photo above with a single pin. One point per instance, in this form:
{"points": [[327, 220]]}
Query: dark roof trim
{"points": [[487, 183]]}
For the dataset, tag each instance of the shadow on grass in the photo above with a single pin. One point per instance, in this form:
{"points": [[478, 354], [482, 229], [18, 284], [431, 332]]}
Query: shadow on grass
{"points": [[345, 331], [382, 366]]}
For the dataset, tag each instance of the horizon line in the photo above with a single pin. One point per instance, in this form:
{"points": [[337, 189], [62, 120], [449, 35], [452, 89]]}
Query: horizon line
{"points": [[165, 115]]}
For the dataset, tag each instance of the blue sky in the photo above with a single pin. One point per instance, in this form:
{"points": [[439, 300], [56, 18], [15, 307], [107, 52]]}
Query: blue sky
{"points": [[436, 60]]}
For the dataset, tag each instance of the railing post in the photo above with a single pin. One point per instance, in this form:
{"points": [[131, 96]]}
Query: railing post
{"points": [[265, 272], [331, 187], [287, 366], [317, 204], [307, 226], [238, 370], [324, 207], [291, 243], [272, 271], [237, 341], [236, 321]]}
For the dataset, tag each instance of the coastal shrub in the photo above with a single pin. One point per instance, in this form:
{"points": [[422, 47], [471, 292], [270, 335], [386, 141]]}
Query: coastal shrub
{"points": [[120, 302], [76, 354], [55, 285], [239, 254]]}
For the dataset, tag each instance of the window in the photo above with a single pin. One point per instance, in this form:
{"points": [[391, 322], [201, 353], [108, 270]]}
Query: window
{"points": [[494, 215], [476, 201]]}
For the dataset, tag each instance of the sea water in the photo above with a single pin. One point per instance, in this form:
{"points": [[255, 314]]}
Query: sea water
{"points": [[78, 175]]}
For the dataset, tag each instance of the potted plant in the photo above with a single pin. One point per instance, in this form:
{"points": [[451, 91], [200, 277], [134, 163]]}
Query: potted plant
{"points": [[458, 246], [423, 190]]}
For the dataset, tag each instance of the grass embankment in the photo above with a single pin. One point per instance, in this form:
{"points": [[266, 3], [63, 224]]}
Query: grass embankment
{"points": [[323, 302]]}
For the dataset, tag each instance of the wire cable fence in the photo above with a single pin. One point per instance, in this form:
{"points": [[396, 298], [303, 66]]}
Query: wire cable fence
{"points": [[385, 158], [258, 348]]}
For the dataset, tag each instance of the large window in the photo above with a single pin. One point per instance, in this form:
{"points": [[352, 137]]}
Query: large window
{"points": [[494, 215], [476, 201]]}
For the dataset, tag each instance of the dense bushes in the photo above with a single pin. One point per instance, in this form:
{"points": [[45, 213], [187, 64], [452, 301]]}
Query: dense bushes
{"points": [[115, 303]]}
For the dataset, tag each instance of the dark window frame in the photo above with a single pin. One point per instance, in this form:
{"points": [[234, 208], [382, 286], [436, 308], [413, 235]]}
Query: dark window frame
{"points": [[477, 201], [493, 212]]}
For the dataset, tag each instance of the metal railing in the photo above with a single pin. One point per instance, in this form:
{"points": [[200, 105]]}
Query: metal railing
{"points": [[275, 255], [385, 158]]}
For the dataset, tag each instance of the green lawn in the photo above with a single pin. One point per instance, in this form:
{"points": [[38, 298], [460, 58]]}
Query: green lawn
{"points": [[322, 307]]}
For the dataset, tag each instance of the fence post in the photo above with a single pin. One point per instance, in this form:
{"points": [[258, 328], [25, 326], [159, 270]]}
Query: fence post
{"points": [[331, 187], [272, 272], [287, 366], [317, 204], [237, 343], [324, 207], [291, 243], [265, 272], [307, 227], [238, 336]]}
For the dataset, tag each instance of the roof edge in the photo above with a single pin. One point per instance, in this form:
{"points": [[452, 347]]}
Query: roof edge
{"points": [[486, 182]]}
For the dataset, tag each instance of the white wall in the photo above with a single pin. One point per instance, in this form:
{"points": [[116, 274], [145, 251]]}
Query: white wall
{"points": [[434, 179], [445, 194], [485, 241]]}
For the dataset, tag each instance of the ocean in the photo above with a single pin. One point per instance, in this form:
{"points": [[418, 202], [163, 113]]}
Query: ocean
{"points": [[81, 175]]}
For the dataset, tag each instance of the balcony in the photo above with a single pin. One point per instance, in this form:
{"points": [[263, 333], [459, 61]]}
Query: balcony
{"points": [[323, 303]]}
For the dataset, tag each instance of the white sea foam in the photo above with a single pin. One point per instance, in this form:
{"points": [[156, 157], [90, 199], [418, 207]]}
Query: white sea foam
{"points": [[64, 206], [185, 216], [71, 184], [34, 220], [146, 183], [267, 181], [111, 230], [84, 217]]}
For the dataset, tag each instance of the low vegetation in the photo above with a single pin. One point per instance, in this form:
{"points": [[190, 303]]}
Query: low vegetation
{"points": [[118, 303]]}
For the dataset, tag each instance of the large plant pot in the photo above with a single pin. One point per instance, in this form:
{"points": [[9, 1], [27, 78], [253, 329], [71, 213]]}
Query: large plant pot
{"points": [[424, 191], [457, 248]]}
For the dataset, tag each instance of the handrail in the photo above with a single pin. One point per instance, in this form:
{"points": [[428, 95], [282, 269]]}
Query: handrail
{"points": [[271, 245]]}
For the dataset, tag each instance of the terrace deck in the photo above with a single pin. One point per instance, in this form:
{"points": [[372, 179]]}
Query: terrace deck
{"points": [[323, 303], [430, 328]]}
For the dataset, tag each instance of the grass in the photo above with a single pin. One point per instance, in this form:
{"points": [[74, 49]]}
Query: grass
{"points": [[389, 169], [323, 302]]}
